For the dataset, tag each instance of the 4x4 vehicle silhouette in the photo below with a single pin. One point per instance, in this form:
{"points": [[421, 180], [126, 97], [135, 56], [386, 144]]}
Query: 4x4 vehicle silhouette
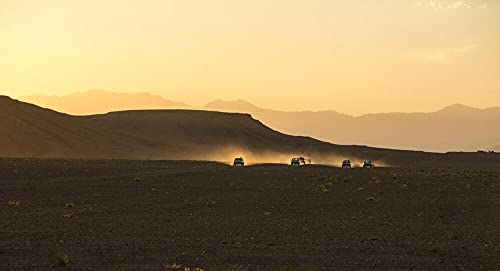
{"points": [[298, 161], [239, 162], [346, 164], [368, 164], [295, 162]]}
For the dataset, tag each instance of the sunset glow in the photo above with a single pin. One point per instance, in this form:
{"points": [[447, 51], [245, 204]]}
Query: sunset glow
{"points": [[351, 56]]}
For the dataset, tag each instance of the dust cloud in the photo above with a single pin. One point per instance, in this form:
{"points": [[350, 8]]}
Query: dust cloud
{"points": [[227, 154]]}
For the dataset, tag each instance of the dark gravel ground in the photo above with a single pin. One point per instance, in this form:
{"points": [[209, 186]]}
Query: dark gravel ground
{"points": [[164, 215]]}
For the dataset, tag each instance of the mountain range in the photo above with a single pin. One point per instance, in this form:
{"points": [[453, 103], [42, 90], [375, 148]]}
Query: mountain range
{"points": [[454, 128], [101, 101], [27, 130]]}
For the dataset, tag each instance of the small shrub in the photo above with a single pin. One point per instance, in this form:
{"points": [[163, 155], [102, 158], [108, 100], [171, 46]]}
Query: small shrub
{"points": [[331, 180], [173, 266], [323, 188], [63, 261], [14, 203], [434, 249]]}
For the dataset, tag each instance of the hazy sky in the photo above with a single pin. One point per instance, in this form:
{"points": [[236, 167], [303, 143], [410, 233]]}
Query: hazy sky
{"points": [[354, 56]]}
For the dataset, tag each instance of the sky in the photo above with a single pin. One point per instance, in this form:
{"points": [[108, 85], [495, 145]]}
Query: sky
{"points": [[353, 56]]}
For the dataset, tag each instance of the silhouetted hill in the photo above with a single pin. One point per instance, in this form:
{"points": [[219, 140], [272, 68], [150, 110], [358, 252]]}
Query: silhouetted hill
{"points": [[459, 109], [456, 127], [101, 101], [30, 131]]}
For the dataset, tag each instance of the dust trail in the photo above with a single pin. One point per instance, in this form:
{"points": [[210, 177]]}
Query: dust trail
{"points": [[227, 154]]}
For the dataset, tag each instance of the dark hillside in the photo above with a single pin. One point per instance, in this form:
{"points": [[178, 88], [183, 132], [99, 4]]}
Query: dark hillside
{"points": [[30, 131]]}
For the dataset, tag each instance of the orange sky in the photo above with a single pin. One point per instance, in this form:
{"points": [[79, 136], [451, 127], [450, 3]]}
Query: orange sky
{"points": [[353, 56]]}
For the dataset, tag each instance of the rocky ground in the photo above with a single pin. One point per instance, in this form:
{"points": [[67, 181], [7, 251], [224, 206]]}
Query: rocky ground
{"points": [[163, 215]]}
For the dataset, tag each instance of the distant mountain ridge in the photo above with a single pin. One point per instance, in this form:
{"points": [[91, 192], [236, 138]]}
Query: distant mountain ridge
{"points": [[101, 101], [27, 130], [453, 128], [459, 109], [247, 106]]}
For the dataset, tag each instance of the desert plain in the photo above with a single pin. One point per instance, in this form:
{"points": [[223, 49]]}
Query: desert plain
{"points": [[187, 215]]}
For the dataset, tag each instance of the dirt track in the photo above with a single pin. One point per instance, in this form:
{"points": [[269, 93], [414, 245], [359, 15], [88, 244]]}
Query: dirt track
{"points": [[133, 215]]}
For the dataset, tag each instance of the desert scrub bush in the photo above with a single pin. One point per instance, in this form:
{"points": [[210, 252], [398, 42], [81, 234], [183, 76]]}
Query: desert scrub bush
{"points": [[336, 179], [332, 180], [63, 261], [173, 266], [13, 203], [323, 188], [434, 249], [347, 179]]}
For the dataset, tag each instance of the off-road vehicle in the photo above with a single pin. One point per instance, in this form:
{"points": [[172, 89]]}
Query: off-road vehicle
{"points": [[298, 161], [295, 162], [368, 164], [239, 162], [302, 160], [346, 164]]}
